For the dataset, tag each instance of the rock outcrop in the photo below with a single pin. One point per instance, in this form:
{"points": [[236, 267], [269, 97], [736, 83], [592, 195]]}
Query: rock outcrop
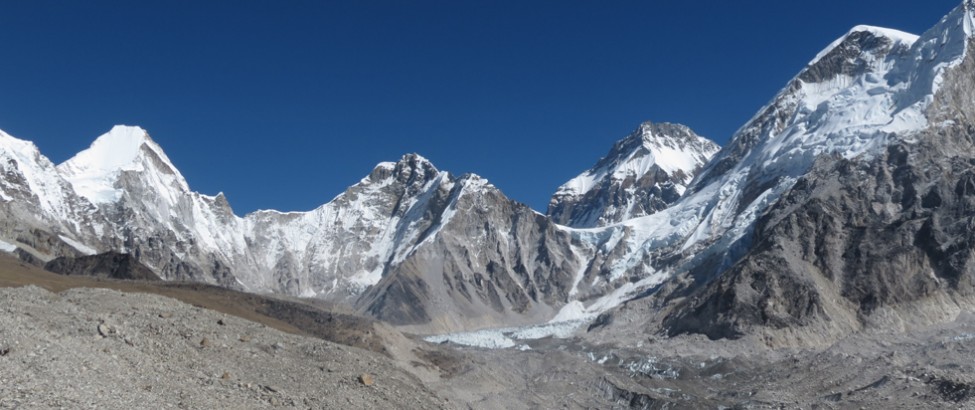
{"points": [[104, 265]]}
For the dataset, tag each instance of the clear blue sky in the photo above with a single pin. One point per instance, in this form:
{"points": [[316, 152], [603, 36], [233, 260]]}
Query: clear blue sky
{"points": [[283, 104]]}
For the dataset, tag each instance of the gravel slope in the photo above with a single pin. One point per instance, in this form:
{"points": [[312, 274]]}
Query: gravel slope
{"points": [[71, 346], [99, 348]]}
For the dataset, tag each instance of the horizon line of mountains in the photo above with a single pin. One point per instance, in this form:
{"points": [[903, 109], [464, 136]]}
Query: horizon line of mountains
{"points": [[851, 193]]}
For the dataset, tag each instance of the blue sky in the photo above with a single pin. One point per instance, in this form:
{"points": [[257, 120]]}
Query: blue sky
{"points": [[283, 104]]}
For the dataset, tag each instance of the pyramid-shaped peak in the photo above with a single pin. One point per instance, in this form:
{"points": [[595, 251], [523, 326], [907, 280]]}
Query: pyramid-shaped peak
{"points": [[123, 148], [672, 148], [120, 148], [652, 136]]}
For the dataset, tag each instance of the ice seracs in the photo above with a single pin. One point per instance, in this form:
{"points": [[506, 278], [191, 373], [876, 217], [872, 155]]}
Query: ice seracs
{"points": [[867, 90], [851, 100]]}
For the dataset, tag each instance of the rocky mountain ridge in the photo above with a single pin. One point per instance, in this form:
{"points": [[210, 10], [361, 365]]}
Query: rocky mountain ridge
{"points": [[433, 252], [405, 223], [842, 205]]}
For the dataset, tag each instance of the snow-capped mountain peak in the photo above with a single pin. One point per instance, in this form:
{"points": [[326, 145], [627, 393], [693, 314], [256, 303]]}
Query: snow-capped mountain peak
{"points": [[94, 171], [871, 88], [855, 34], [410, 168], [642, 173], [415, 245], [27, 173], [676, 149], [868, 86], [866, 91]]}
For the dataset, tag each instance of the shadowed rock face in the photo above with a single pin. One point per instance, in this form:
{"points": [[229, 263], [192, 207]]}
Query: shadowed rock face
{"points": [[856, 235], [748, 244], [400, 223], [328, 249], [493, 262], [877, 233], [849, 57], [104, 265], [880, 236]]}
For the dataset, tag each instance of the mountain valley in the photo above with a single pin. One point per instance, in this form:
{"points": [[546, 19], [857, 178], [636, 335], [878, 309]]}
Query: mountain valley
{"points": [[823, 258]]}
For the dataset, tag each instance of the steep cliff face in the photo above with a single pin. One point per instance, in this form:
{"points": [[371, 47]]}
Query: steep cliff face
{"points": [[489, 261], [850, 238], [344, 246], [405, 228], [644, 173], [852, 100], [834, 201], [153, 214], [43, 217], [878, 230], [876, 233]]}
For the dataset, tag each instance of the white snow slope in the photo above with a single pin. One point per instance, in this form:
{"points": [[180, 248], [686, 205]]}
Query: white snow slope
{"points": [[657, 150], [851, 113], [643, 173], [868, 88]]}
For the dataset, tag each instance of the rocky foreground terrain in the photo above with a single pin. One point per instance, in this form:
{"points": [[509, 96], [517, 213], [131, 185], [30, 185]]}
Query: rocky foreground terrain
{"points": [[822, 259], [101, 348], [95, 348], [70, 342]]}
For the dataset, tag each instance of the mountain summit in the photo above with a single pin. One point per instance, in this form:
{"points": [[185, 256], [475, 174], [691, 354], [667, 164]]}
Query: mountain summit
{"points": [[849, 193], [95, 171], [643, 173], [841, 205]]}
